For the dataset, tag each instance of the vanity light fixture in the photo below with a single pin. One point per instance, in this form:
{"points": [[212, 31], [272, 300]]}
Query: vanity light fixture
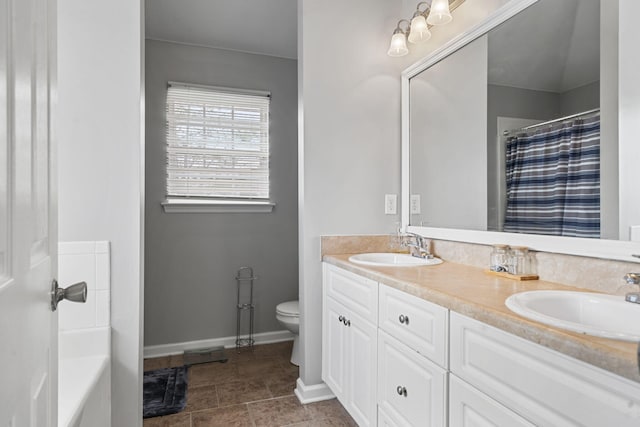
{"points": [[398, 46], [438, 12], [419, 29]]}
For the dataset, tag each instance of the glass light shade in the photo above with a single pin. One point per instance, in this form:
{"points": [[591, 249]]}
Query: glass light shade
{"points": [[398, 46], [419, 30], [439, 13]]}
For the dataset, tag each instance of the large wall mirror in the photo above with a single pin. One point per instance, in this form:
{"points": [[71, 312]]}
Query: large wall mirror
{"points": [[510, 134]]}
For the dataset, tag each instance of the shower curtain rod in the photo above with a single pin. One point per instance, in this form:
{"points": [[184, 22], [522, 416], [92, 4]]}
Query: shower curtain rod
{"points": [[561, 119]]}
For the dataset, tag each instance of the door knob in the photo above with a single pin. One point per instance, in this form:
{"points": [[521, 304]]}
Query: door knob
{"points": [[76, 293]]}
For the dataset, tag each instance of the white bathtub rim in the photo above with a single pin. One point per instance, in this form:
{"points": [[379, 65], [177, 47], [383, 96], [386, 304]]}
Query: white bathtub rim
{"points": [[78, 378]]}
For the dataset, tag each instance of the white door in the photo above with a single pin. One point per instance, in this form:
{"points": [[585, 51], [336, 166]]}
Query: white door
{"points": [[28, 239]]}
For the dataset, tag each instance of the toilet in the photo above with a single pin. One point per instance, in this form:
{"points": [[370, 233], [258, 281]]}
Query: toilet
{"points": [[288, 314]]}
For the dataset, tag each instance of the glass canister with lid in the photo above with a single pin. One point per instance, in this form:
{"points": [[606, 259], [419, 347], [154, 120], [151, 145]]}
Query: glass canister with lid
{"points": [[499, 259], [520, 260]]}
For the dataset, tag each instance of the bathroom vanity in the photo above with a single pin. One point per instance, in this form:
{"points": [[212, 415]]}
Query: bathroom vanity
{"points": [[436, 346]]}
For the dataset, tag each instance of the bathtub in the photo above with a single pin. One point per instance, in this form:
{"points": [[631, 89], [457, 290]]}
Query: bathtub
{"points": [[84, 378]]}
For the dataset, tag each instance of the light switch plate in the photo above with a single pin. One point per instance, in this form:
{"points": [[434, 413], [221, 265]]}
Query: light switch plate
{"points": [[415, 204], [390, 204]]}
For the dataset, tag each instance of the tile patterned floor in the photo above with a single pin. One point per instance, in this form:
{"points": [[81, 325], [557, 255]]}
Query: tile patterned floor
{"points": [[253, 389]]}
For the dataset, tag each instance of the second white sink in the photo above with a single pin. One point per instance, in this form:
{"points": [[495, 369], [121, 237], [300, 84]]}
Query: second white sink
{"points": [[594, 314], [388, 259]]}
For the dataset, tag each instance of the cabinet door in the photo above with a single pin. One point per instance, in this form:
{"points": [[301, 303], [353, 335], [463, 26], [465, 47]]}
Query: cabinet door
{"points": [[420, 324], [548, 388], [362, 349], [334, 344], [357, 293], [411, 389], [469, 407]]}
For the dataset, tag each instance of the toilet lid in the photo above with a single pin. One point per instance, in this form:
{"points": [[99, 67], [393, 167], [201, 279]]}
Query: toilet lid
{"points": [[289, 308]]}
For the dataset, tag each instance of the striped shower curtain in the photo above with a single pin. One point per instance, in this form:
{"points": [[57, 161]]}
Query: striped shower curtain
{"points": [[553, 180]]}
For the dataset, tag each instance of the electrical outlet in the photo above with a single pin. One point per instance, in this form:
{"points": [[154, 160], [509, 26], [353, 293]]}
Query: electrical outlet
{"points": [[415, 204], [390, 204]]}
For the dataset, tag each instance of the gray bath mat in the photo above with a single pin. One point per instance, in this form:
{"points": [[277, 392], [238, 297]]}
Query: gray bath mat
{"points": [[165, 391]]}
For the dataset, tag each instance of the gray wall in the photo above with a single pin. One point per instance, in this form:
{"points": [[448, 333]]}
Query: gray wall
{"points": [[191, 259], [444, 165], [100, 168], [580, 99], [350, 132]]}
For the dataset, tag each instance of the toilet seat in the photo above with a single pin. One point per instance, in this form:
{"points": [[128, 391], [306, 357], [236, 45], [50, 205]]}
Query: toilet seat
{"points": [[288, 309]]}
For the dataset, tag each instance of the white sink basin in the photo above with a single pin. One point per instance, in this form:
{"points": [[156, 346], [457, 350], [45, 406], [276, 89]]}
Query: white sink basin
{"points": [[599, 315], [392, 260]]}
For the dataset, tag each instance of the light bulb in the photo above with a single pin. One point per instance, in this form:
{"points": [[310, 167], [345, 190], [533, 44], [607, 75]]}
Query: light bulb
{"points": [[439, 13], [419, 30], [398, 46]]}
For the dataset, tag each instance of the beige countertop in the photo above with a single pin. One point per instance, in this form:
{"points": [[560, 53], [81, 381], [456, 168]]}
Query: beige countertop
{"points": [[473, 293]]}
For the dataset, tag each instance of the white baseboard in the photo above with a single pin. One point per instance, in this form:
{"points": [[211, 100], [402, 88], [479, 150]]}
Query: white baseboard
{"points": [[226, 342], [312, 393]]}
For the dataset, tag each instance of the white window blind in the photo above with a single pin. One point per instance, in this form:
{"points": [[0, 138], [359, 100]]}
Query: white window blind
{"points": [[217, 143]]}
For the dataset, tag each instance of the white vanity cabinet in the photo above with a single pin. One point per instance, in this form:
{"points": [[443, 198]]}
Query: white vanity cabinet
{"points": [[543, 386], [412, 360], [394, 359], [469, 407], [412, 390], [349, 341]]}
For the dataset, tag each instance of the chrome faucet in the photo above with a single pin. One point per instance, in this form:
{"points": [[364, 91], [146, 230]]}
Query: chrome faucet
{"points": [[632, 279], [419, 249]]}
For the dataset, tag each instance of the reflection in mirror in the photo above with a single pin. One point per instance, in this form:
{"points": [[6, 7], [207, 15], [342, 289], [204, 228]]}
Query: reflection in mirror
{"points": [[523, 98]]}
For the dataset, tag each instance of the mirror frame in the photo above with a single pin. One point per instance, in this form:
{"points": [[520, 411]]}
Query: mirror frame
{"points": [[597, 248]]}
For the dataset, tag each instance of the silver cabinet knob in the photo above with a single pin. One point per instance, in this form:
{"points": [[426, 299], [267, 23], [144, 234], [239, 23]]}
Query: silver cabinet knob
{"points": [[75, 293], [402, 391], [403, 319], [340, 318]]}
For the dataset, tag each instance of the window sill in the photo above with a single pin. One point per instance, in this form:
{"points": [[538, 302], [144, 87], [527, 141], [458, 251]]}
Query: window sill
{"points": [[216, 206]]}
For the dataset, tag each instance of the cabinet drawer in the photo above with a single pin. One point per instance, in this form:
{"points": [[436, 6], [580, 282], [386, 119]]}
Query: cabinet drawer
{"points": [[470, 407], [545, 387], [420, 324], [411, 389], [357, 293]]}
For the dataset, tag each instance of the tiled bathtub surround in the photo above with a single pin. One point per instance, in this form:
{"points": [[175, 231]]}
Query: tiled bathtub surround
{"points": [[88, 262], [589, 273], [84, 350]]}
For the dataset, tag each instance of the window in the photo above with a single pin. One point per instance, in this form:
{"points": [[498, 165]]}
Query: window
{"points": [[217, 148]]}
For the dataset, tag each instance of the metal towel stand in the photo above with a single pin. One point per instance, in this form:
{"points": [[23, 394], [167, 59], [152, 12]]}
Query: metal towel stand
{"points": [[245, 274]]}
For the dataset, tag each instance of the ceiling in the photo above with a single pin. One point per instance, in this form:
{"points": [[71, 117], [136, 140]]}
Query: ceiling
{"points": [[267, 27], [552, 46]]}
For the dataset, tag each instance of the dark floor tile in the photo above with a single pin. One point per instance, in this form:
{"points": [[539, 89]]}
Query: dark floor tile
{"points": [[333, 422], [281, 383], [202, 397], [280, 350], [182, 419], [259, 367], [289, 367], [236, 392], [325, 422], [254, 388], [242, 354], [176, 360], [229, 416], [156, 363], [325, 409], [213, 373], [277, 412]]}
